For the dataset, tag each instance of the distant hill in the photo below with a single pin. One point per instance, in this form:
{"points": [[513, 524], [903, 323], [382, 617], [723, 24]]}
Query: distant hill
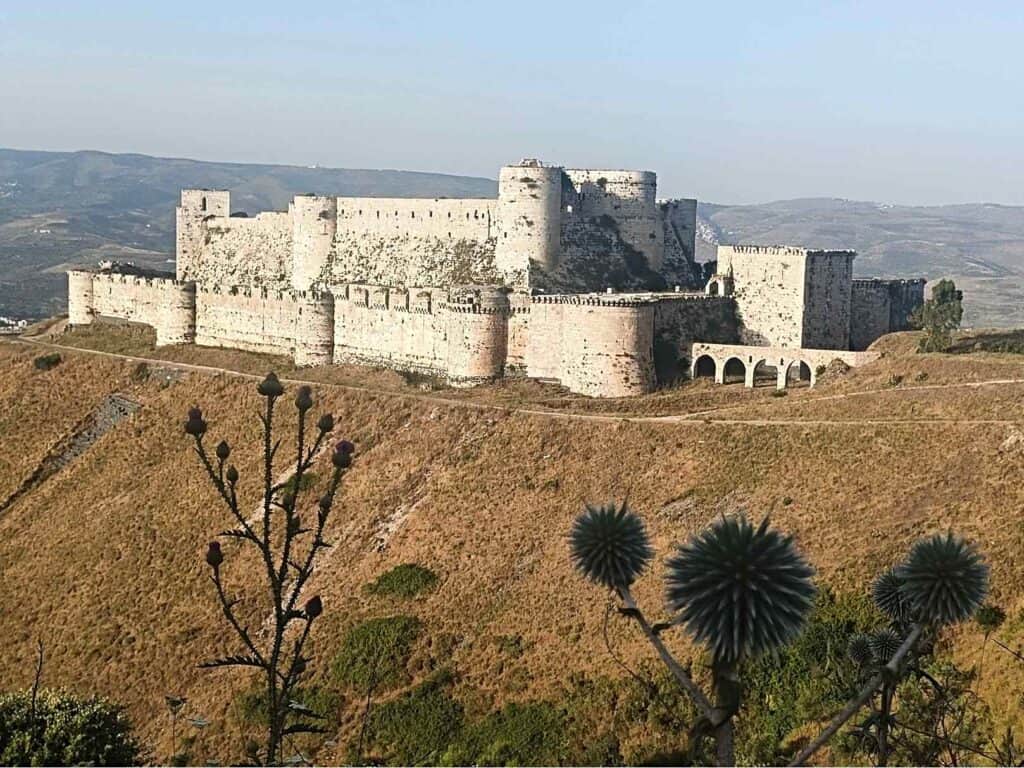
{"points": [[61, 208], [981, 246]]}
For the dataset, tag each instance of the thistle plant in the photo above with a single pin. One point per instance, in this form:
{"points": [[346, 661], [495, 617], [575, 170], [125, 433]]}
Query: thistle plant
{"points": [[739, 590], [287, 545], [943, 581]]}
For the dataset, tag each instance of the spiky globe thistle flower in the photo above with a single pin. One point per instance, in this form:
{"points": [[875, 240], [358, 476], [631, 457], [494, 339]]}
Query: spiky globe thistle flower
{"points": [[739, 590], [944, 579], [884, 644], [304, 398], [270, 387], [195, 425], [609, 545], [859, 650], [887, 594]]}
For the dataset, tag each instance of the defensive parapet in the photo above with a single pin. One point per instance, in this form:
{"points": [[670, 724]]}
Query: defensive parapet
{"points": [[595, 344], [80, 297], [165, 304], [314, 225], [628, 197], [529, 217], [477, 330]]}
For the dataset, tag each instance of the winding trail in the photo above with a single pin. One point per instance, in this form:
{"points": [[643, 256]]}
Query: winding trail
{"points": [[697, 418]]}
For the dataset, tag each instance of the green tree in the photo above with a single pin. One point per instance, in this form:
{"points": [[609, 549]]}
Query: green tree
{"points": [[53, 727], [939, 316]]}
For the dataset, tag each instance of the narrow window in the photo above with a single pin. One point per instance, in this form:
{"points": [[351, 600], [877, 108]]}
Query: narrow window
{"points": [[202, 205]]}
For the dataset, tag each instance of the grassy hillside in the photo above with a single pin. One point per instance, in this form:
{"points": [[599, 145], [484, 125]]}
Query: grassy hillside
{"points": [[102, 561]]}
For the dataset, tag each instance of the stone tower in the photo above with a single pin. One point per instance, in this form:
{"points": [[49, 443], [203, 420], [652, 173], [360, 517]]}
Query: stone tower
{"points": [[314, 225], [197, 205], [529, 219]]}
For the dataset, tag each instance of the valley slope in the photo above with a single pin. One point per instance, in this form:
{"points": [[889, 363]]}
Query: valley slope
{"points": [[102, 561]]}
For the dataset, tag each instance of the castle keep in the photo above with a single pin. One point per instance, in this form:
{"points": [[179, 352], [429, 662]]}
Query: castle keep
{"points": [[581, 277]]}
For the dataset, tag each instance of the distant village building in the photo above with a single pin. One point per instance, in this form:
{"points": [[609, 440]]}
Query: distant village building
{"points": [[576, 276]]}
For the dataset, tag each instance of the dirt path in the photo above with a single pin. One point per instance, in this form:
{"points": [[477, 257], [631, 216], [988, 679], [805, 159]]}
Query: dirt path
{"points": [[697, 418]]}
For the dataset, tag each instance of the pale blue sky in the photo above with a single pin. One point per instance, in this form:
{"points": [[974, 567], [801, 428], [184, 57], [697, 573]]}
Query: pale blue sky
{"points": [[910, 102]]}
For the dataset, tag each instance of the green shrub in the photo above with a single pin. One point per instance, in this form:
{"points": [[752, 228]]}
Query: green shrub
{"points": [[68, 730], [806, 681], [518, 734], [375, 654], [406, 580], [48, 361], [416, 728], [308, 479], [250, 706]]}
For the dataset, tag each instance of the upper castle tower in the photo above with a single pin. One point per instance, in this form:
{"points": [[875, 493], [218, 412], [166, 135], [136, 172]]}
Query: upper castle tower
{"points": [[197, 205], [529, 217]]}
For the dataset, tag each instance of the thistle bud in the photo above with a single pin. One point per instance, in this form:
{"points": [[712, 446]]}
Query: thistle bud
{"points": [[288, 501], [325, 503], [314, 607], [326, 423], [345, 447], [195, 425], [300, 665], [270, 387], [341, 460], [214, 557], [232, 474], [223, 450], [304, 399]]}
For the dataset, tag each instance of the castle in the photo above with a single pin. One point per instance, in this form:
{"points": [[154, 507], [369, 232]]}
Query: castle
{"points": [[581, 277]]}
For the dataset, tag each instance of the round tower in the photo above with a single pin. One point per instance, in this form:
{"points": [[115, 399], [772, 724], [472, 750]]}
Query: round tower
{"points": [[314, 328], [529, 219], [314, 225], [177, 320], [80, 297], [610, 348], [477, 337]]}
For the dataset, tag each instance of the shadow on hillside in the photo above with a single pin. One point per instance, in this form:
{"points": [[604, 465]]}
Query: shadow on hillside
{"points": [[989, 341]]}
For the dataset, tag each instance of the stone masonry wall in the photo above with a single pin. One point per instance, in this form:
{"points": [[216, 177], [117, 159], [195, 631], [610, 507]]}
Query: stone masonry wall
{"points": [[869, 312], [165, 304], [680, 322], [247, 251], [827, 286], [257, 320], [769, 292]]}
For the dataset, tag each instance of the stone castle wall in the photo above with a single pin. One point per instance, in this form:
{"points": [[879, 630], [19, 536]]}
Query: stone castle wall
{"points": [[253, 319], [769, 291], [602, 228], [827, 287], [165, 304], [881, 306]]}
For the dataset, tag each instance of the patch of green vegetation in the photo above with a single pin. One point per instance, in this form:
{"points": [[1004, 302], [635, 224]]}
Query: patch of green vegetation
{"points": [[806, 682], [406, 581], [47, 362], [511, 645], [292, 488], [518, 734], [250, 706], [375, 654], [66, 730], [417, 727]]}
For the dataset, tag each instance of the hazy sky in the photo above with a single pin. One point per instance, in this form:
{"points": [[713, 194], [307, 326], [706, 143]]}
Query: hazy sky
{"points": [[899, 101]]}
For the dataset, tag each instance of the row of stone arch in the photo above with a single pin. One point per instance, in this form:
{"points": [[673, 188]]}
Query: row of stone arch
{"points": [[754, 373]]}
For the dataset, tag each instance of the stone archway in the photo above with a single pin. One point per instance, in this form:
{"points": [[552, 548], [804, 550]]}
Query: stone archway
{"points": [[765, 373], [734, 371], [799, 374], [704, 366]]}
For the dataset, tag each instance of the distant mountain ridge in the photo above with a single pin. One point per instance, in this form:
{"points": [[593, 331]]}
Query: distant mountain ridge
{"points": [[61, 208]]}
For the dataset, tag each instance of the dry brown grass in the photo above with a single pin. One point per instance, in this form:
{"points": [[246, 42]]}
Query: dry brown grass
{"points": [[103, 560]]}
